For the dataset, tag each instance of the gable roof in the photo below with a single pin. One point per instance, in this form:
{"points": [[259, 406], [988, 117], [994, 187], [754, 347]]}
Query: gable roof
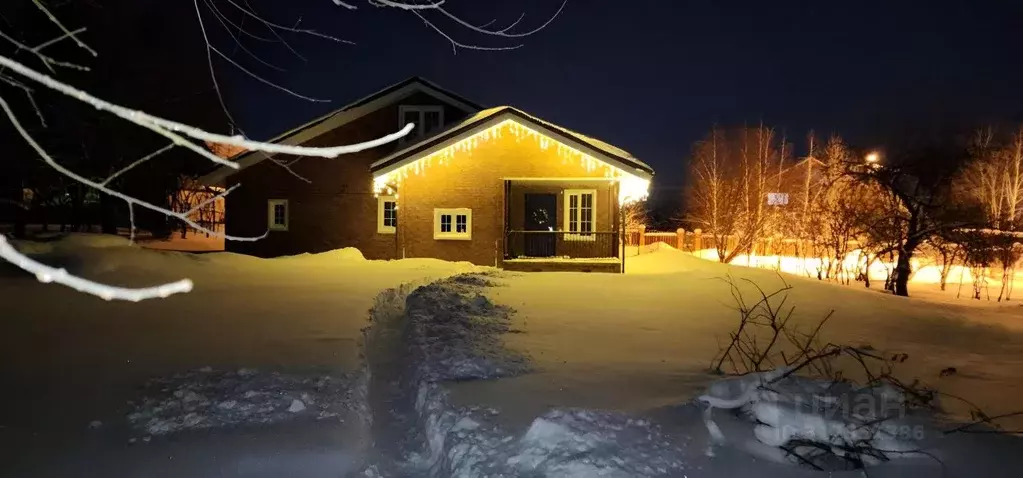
{"points": [[493, 116], [344, 115]]}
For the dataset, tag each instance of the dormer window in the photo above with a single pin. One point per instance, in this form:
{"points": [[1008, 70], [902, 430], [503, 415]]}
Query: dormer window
{"points": [[428, 120]]}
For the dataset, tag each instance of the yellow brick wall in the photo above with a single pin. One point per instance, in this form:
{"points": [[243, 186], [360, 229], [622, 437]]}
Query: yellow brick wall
{"points": [[474, 178]]}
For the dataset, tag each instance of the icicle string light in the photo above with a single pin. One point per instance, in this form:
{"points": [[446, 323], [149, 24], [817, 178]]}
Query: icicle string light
{"points": [[632, 188]]}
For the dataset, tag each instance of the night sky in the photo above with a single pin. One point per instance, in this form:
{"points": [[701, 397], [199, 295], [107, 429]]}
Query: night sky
{"points": [[652, 76]]}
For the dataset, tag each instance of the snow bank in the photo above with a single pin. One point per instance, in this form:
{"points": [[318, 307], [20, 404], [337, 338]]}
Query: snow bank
{"points": [[589, 443], [208, 399], [343, 254], [457, 331]]}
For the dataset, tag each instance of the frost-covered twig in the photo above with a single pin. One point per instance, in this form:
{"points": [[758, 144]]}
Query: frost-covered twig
{"points": [[48, 274], [101, 187], [418, 9], [276, 26], [67, 33], [227, 28], [48, 61], [176, 130], [503, 32], [455, 45], [136, 163], [71, 34]]}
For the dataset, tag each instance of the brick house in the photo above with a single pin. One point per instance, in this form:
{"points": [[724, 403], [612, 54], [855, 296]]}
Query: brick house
{"points": [[490, 186]]}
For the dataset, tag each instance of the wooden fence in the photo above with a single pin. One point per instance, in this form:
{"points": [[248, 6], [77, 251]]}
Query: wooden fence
{"points": [[697, 240]]}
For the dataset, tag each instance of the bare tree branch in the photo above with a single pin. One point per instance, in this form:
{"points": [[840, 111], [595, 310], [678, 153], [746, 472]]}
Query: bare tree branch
{"points": [[49, 274]]}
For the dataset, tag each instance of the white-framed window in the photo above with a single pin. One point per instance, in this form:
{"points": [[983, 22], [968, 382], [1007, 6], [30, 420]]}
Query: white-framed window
{"points": [[428, 119], [580, 214], [387, 214], [455, 224], [277, 214]]}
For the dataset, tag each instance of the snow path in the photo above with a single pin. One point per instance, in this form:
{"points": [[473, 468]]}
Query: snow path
{"points": [[424, 340]]}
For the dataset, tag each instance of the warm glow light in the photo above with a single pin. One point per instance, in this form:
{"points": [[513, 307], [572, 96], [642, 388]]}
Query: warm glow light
{"points": [[873, 157], [632, 188]]}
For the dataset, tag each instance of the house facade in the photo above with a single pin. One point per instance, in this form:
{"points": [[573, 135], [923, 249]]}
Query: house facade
{"points": [[494, 187]]}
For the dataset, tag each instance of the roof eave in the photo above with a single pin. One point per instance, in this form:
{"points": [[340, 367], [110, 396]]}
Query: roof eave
{"points": [[429, 146]]}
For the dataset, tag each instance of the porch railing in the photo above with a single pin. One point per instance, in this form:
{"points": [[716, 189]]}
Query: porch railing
{"points": [[563, 245]]}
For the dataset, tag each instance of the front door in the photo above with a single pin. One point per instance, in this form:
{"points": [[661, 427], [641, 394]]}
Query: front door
{"points": [[541, 215]]}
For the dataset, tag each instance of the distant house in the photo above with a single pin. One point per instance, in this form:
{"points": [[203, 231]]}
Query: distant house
{"points": [[490, 186]]}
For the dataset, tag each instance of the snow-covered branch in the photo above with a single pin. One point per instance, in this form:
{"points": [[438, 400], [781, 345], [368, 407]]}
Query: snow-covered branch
{"points": [[176, 131], [418, 9], [49, 274]]}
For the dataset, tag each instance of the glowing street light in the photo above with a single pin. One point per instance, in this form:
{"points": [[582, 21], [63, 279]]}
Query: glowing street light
{"points": [[872, 158]]}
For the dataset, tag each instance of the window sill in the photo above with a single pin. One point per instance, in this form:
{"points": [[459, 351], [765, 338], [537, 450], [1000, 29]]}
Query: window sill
{"points": [[387, 230], [278, 229], [580, 237], [452, 237]]}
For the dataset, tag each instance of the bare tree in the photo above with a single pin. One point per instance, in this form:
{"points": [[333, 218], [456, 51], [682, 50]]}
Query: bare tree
{"points": [[713, 189], [993, 182], [730, 177], [25, 79], [917, 184], [635, 215]]}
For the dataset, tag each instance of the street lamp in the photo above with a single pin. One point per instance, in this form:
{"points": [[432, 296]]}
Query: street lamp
{"points": [[872, 158]]}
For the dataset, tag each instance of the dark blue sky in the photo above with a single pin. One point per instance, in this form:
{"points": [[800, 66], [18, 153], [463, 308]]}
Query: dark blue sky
{"points": [[652, 76]]}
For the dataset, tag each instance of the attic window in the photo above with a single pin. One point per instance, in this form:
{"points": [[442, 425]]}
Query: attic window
{"points": [[428, 120]]}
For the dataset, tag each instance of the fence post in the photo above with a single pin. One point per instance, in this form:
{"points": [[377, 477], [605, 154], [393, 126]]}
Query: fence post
{"points": [[680, 239], [697, 240], [642, 238]]}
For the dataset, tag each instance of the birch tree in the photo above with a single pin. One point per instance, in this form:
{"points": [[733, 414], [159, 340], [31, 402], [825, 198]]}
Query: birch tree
{"points": [[993, 182], [730, 175]]}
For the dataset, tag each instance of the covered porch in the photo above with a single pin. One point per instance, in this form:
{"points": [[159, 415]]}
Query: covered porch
{"points": [[563, 224]]}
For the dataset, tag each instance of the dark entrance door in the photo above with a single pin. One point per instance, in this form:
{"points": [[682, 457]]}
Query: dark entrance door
{"points": [[541, 215]]}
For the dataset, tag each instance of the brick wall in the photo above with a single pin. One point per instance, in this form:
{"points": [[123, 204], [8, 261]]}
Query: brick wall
{"points": [[475, 179], [337, 209]]}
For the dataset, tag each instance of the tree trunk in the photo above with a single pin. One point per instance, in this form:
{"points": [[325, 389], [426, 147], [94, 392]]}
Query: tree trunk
{"points": [[77, 200], [108, 214], [902, 273]]}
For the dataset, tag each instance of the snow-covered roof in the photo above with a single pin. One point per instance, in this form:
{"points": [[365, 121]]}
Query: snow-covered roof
{"points": [[614, 154]]}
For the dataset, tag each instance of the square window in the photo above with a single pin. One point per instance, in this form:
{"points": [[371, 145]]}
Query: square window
{"points": [[277, 214], [452, 224]]}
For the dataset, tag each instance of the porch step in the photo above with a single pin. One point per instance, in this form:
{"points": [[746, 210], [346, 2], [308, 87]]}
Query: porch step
{"points": [[562, 265]]}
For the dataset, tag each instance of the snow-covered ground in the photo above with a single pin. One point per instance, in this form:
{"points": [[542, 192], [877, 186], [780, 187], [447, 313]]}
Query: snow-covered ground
{"points": [[260, 371], [642, 339], [72, 363], [642, 342]]}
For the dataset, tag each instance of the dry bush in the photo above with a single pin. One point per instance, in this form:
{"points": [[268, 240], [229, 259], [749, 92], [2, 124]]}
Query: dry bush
{"points": [[850, 391]]}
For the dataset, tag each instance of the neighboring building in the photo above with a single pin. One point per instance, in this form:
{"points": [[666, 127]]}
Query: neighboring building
{"points": [[493, 187]]}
